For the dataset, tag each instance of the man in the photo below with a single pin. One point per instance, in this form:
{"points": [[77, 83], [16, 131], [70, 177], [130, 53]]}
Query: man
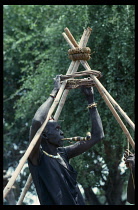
{"points": [[53, 176], [129, 159]]}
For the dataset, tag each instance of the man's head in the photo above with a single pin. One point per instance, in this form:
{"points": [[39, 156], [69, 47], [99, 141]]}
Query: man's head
{"points": [[52, 134]]}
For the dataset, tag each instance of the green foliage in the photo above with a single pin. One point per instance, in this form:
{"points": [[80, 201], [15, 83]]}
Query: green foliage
{"points": [[35, 52]]}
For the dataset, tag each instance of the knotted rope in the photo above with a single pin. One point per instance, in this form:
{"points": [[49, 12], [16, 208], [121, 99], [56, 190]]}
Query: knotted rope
{"points": [[79, 53], [76, 83]]}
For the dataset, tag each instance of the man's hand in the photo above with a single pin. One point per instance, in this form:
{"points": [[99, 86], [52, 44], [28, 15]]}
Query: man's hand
{"points": [[88, 91], [129, 159], [57, 82]]}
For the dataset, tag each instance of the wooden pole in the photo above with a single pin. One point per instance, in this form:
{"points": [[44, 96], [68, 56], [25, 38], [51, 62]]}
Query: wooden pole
{"points": [[115, 115], [129, 121], [26, 187], [71, 37]]}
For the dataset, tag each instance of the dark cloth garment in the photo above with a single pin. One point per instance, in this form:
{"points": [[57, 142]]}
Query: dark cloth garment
{"points": [[131, 188], [55, 184]]}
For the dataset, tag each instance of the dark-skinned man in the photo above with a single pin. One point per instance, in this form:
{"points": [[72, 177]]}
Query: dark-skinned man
{"points": [[53, 176]]}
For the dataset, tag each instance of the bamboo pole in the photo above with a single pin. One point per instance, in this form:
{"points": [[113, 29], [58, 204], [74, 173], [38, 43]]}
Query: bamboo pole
{"points": [[26, 187], [89, 30], [114, 113], [71, 37], [129, 121], [73, 65]]}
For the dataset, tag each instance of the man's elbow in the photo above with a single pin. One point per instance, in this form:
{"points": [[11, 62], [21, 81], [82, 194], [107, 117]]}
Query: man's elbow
{"points": [[36, 124], [97, 138], [102, 136]]}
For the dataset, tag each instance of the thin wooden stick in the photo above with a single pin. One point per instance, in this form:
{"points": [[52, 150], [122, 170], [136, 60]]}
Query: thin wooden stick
{"points": [[89, 30], [71, 37], [67, 39], [129, 121], [83, 37], [26, 187]]}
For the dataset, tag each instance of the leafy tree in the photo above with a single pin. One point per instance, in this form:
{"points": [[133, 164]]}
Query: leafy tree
{"points": [[35, 52]]}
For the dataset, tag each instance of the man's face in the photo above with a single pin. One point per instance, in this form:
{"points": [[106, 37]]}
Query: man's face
{"points": [[54, 134]]}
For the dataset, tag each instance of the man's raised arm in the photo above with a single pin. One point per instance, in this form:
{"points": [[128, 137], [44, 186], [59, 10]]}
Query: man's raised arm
{"points": [[40, 117], [97, 132]]}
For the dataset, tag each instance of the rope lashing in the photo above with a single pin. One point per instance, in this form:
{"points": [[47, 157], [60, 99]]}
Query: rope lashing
{"points": [[79, 53], [76, 83], [82, 73]]}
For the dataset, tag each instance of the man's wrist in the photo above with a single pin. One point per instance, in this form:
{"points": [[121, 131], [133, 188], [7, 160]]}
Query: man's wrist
{"points": [[52, 96], [53, 93], [90, 106], [90, 100]]}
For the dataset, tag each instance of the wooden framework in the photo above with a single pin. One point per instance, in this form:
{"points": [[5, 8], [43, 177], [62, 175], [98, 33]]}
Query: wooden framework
{"points": [[60, 100]]}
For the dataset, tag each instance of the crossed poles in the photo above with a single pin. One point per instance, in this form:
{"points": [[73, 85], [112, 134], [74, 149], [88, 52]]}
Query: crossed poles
{"points": [[60, 99]]}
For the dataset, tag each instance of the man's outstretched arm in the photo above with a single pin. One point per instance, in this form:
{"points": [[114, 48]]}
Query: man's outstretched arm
{"points": [[97, 132]]}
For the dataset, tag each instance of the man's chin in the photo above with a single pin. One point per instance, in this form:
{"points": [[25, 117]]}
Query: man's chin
{"points": [[60, 143]]}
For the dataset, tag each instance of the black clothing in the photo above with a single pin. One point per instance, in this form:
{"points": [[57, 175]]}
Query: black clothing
{"points": [[131, 185], [55, 183]]}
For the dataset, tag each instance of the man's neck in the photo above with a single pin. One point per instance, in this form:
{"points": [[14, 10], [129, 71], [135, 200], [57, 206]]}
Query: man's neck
{"points": [[50, 149]]}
